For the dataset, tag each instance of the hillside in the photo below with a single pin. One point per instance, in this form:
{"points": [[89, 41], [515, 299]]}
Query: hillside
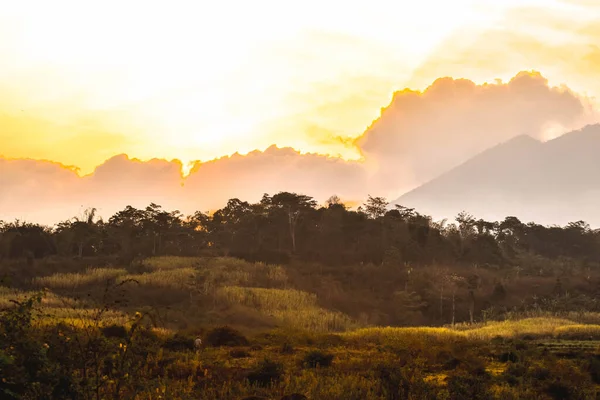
{"points": [[552, 183]]}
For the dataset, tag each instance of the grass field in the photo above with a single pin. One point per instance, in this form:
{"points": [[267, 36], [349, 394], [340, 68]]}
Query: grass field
{"points": [[92, 276], [313, 349]]}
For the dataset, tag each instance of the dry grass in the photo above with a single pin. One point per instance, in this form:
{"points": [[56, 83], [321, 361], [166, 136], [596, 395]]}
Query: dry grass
{"points": [[390, 334], [170, 262], [81, 318], [578, 331], [528, 326], [224, 271], [293, 308], [170, 278], [55, 309], [76, 280], [534, 327], [49, 300]]}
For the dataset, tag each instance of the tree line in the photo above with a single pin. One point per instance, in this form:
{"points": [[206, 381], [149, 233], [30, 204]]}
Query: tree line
{"points": [[289, 226]]}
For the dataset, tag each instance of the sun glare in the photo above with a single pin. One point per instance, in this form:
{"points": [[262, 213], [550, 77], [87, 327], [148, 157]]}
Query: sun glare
{"points": [[198, 80]]}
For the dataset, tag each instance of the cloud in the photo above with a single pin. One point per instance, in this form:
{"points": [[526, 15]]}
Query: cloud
{"points": [[212, 183], [562, 43], [37, 190], [417, 136], [452, 120], [49, 192]]}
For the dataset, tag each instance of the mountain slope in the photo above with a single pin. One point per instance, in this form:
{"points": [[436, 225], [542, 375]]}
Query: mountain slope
{"points": [[553, 182]]}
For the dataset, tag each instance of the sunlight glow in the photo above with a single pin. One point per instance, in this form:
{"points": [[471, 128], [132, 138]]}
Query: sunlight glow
{"points": [[200, 79]]}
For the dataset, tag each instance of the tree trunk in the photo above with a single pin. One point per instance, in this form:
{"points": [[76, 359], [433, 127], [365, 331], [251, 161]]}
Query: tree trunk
{"points": [[80, 249], [453, 308], [293, 235], [442, 303], [292, 225], [471, 305]]}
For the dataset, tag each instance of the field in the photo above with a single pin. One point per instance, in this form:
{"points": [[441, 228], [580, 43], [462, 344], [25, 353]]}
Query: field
{"points": [[128, 332]]}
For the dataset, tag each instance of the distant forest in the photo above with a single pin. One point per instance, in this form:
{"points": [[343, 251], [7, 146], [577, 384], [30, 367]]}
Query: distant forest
{"points": [[379, 264], [289, 226]]}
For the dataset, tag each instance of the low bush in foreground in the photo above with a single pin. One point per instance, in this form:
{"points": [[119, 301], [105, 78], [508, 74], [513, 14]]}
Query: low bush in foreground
{"points": [[225, 336]]}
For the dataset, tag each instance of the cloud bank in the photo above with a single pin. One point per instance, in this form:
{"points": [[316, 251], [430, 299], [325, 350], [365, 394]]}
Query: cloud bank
{"points": [[418, 136]]}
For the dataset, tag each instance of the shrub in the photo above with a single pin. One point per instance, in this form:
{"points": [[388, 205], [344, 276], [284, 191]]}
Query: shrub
{"points": [[317, 358], [287, 348], [508, 356], [294, 396], [225, 336], [239, 354], [451, 363], [179, 343], [266, 372], [468, 387], [114, 331], [179, 369], [594, 369], [559, 390]]}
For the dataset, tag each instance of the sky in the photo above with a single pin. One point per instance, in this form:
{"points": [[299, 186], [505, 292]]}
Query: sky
{"points": [[93, 85]]}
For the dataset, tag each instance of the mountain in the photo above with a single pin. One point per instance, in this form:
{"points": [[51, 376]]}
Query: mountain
{"points": [[553, 182]]}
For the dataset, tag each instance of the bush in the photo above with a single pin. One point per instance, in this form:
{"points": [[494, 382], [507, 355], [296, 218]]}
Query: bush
{"points": [[179, 343], [468, 387], [508, 356], [287, 348], [225, 336], [317, 358], [559, 390], [594, 369], [267, 371], [239, 354], [114, 331], [294, 396]]}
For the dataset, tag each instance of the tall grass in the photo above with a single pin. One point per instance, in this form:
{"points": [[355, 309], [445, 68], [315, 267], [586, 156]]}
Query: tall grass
{"points": [[225, 271], [49, 300], [293, 308], [78, 279], [170, 278], [269, 299], [533, 327], [170, 262], [80, 317]]}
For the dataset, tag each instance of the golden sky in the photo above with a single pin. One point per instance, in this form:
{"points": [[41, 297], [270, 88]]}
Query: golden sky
{"points": [[195, 80], [359, 98]]}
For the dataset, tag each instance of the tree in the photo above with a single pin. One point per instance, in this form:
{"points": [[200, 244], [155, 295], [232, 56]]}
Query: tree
{"points": [[405, 213], [472, 285], [334, 201], [127, 225], [375, 207], [442, 277], [408, 307], [80, 230], [294, 206], [159, 223], [456, 281]]}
